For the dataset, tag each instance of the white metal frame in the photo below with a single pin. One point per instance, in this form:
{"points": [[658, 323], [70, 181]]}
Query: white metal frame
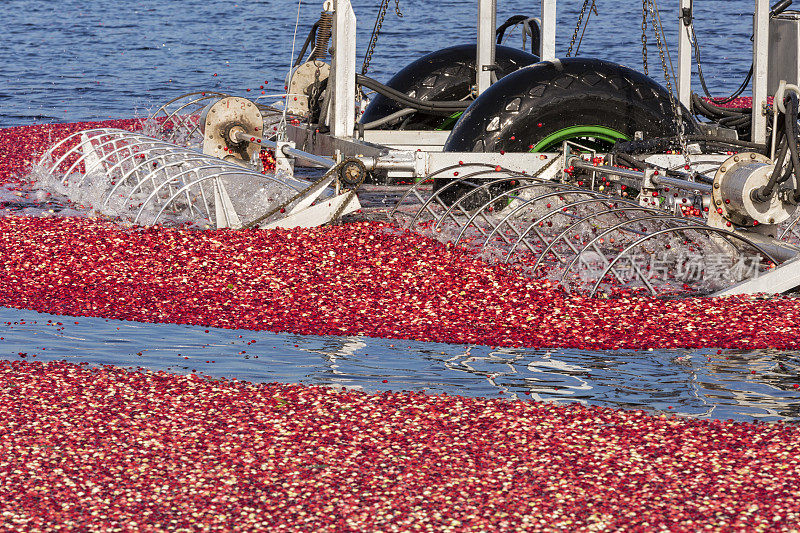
{"points": [[684, 55], [760, 63], [418, 153]]}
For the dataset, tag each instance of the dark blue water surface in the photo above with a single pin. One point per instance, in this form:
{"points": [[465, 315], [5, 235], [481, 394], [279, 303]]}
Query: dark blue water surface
{"points": [[69, 60], [75, 60]]}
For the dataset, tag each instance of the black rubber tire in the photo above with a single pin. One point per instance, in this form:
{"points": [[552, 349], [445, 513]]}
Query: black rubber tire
{"points": [[532, 103], [447, 74]]}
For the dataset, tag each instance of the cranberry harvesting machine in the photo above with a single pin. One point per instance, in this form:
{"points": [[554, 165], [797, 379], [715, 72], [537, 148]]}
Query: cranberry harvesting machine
{"points": [[575, 169]]}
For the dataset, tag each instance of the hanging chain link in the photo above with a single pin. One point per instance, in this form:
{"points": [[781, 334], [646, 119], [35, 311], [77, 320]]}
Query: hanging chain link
{"points": [[374, 39], [377, 30], [644, 37], [676, 109], [577, 27]]}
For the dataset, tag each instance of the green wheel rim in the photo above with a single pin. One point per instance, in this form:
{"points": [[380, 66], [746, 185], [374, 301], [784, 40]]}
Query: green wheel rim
{"points": [[599, 137], [450, 121]]}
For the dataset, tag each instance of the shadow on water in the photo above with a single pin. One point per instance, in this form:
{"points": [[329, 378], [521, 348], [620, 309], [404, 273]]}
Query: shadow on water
{"points": [[739, 385]]}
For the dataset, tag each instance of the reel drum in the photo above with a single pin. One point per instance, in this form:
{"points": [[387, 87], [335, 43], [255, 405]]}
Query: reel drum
{"points": [[221, 120], [734, 182]]}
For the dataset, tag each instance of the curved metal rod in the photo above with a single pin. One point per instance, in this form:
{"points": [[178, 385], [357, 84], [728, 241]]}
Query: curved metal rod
{"points": [[229, 172], [169, 180], [182, 123], [167, 149], [164, 106], [648, 218], [596, 197], [531, 182], [564, 188], [163, 167], [585, 219], [143, 143], [147, 164], [187, 104], [698, 228], [435, 195], [186, 187], [521, 237], [185, 118], [789, 228], [135, 141], [476, 190], [114, 136], [560, 209], [419, 182], [50, 151], [83, 156]]}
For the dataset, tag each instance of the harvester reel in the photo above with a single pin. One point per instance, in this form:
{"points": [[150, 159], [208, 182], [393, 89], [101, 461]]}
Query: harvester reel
{"points": [[178, 121], [587, 241], [144, 180]]}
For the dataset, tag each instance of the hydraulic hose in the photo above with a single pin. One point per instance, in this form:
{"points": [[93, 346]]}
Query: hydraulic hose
{"points": [[714, 112], [312, 35], [779, 8], [775, 10], [535, 31], [762, 194], [790, 132], [443, 107], [668, 143], [389, 118]]}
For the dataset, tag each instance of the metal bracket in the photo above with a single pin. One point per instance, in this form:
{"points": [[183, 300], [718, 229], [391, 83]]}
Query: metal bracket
{"points": [[283, 164]]}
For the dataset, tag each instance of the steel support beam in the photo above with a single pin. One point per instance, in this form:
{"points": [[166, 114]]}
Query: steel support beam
{"points": [[342, 115], [547, 48], [760, 64], [487, 23], [781, 279], [685, 15]]}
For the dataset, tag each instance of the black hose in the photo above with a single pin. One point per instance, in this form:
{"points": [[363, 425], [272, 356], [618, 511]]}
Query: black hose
{"points": [[536, 32], [512, 21], [775, 10], [323, 36], [630, 161], [729, 142], [779, 8], [712, 111], [762, 194], [312, 35], [790, 133], [721, 101], [668, 143], [440, 107], [733, 122]]}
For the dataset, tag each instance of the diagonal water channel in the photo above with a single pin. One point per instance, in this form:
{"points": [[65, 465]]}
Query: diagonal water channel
{"points": [[740, 385]]}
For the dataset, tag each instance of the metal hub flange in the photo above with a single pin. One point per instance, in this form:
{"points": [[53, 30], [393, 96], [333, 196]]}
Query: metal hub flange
{"points": [[224, 117], [731, 195]]}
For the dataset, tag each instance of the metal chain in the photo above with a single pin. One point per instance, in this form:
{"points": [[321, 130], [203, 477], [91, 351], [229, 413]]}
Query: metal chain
{"points": [[676, 110], [350, 193], [577, 27], [374, 39], [377, 30], [644, 37]]}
